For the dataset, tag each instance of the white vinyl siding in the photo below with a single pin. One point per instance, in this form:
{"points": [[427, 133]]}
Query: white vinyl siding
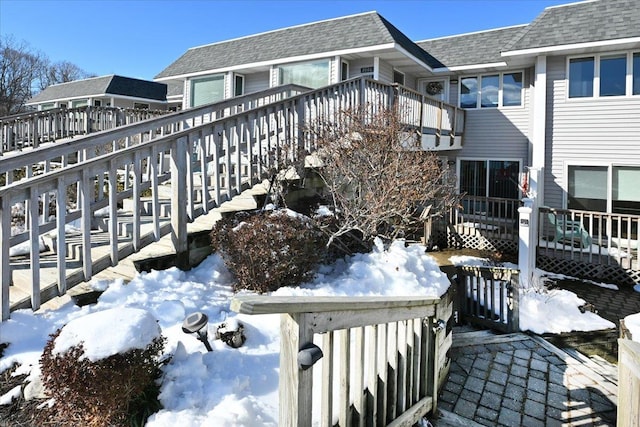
{"points": [[385, 74], [590, 131]]}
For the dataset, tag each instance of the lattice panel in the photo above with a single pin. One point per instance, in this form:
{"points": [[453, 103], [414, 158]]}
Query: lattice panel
{"points": [[482, 243], [599, 272]]}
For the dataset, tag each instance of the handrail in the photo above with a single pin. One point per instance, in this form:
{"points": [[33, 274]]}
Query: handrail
{"points": [[385, 355], [174, 121], [207, 160]]}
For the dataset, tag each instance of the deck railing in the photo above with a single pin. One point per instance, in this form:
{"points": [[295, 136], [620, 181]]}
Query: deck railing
{"points": [[382, 359], [441, 125], [30, 129], [597, 240], [202, 157], [489, 297], [485, 223], [45, 158]]}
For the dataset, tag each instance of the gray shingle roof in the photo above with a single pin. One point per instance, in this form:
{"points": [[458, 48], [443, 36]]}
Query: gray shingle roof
{"points": [[473, 48], [581, 23], [356, 31], [114, 85]]}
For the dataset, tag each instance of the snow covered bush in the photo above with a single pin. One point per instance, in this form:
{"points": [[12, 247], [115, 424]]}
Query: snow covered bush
{"points": [[267, 250], [95, 381]]}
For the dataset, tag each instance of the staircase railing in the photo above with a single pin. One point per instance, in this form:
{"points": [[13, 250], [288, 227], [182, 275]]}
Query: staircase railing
{"points": [[204, 158]]}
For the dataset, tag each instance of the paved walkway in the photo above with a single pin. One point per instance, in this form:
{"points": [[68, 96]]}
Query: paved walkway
{"points": [[521, 380], [611, 304]]}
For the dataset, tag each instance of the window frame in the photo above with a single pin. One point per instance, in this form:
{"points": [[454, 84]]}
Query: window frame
{"points": [[209, 77], [141, 106], [237, 77], [399, 73], [479, 80], [487, 161], [609, 166], [327, 61], [596, 83]]}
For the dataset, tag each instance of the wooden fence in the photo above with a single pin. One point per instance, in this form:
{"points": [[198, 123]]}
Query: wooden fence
{"points": [[201, 157], [489, 297], [628, 383], [383, 359], [589, 244]]}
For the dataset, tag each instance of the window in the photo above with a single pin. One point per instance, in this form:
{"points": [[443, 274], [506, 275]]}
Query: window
{"points": [[581, 72], [469, 92], [47, 106], [97, 103], [490, 178], [140, 106], [491, 91], [238, 85], [613, 75], [310, 74], [512, 90], [588, 189], [604, 75], [625, 197], [79, 103], [207, 90], [344, 71], [398, 77], [636, 74]]}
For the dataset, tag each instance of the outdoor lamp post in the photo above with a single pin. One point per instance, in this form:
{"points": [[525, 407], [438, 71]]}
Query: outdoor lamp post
{"points": [[197, 322]]}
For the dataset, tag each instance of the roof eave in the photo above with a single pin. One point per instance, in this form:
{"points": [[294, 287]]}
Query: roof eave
{"points": [[278, 61], [569, 48], [470, 67]]}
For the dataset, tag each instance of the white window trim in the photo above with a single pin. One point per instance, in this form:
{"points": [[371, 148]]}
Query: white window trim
{"points": [[500, 90], [608, 165], [278, 67], [596, 76], [459, 161]]}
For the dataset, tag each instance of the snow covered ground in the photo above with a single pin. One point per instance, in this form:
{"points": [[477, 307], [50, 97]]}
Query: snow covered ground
{"points": [[235, 387]]}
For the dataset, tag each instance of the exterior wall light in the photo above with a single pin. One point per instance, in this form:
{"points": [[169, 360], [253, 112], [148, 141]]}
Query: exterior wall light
{"points": [[308, 355]]}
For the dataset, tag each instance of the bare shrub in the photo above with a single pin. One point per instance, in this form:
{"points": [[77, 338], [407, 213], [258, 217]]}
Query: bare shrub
{"points": [[266, 250], [377, 177], [99, 393]]}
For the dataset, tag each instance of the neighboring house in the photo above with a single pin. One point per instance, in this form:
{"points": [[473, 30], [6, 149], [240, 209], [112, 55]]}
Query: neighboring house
{"points": [[105, 91], [561, 93]]}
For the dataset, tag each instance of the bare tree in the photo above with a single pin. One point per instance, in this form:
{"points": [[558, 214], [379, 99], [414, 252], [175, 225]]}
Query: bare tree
{"points": [[62, 72], [19, 69], [377, 178], [24, 72]]}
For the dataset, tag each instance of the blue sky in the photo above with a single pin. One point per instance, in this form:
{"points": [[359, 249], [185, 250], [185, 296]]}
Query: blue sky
{"points": [[139, 38]]}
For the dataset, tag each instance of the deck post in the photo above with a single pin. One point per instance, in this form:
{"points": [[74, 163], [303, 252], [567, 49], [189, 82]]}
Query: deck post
{"points": [[179, 202], [526, 249], [295, 384], [5, 264]]}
